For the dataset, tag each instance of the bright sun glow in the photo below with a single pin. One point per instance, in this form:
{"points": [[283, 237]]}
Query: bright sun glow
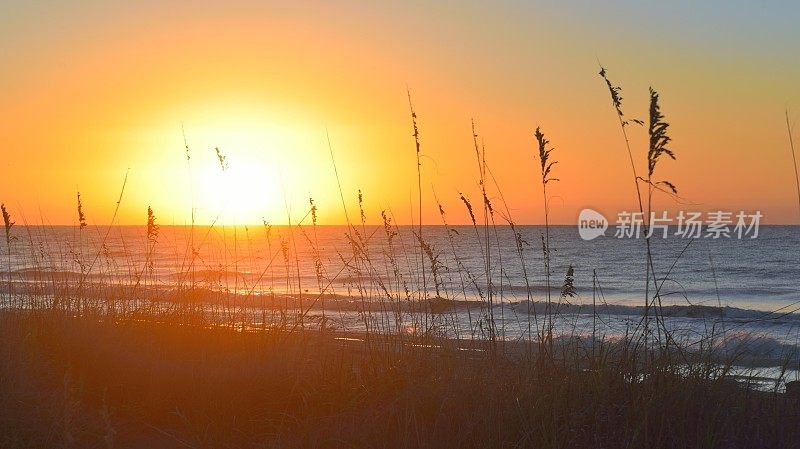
{"points": [[251, 183], [243, 193], [246, 185]]}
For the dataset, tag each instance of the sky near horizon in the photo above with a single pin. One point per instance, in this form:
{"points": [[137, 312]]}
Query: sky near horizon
{"points": [[90, 91]]}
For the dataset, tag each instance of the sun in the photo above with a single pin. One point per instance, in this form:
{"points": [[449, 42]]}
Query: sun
{"points": [[237, 172], [243, 168], [240, 194], [253, 167]]}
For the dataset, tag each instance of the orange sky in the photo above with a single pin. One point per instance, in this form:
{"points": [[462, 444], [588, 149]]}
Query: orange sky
{"points": [[93, 90]]}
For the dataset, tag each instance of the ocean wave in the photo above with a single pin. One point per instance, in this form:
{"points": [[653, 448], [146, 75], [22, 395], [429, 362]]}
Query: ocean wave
{"points": [[35, 274], [733, 314], [745, 350]]}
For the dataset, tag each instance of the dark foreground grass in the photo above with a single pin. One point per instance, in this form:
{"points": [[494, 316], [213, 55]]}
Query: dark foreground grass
{"points": [[67, 382]]}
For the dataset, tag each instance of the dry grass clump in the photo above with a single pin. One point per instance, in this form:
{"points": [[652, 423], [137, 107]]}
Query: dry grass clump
{"points": [[94, 384]]}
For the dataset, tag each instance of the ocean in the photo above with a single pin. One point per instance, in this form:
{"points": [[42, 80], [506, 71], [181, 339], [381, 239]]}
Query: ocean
{"points": [[742, 289]]}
